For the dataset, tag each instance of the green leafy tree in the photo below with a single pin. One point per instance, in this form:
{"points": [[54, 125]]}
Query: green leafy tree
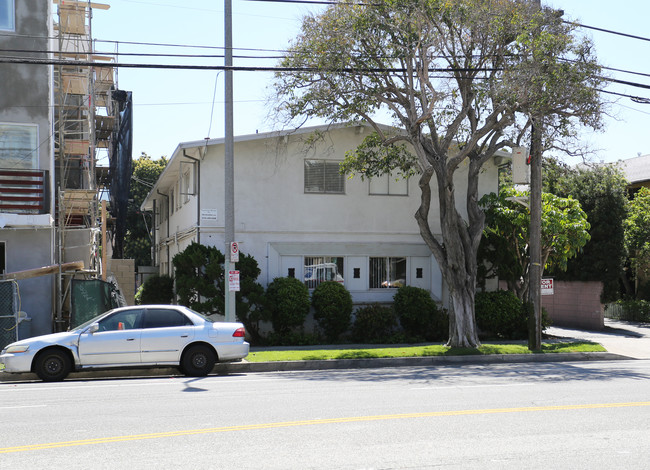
{"points": [[137, 243], [200, 285], [198, 270], [602, 192], [504, 248], [637, 233], [460, 79]]}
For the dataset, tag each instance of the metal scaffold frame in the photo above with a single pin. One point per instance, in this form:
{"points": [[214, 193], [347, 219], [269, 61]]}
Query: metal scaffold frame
{"points": [[85, 120]]}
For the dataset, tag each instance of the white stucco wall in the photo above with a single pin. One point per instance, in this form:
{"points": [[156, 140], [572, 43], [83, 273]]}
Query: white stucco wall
{"points": [[278, 223]]}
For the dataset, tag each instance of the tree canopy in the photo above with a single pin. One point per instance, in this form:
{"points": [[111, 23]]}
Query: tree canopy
{"points": [[137, 243], [504, 247], [602, 192], [460, 80]]}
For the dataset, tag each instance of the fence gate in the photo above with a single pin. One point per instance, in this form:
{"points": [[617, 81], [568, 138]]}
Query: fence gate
{"points": [[8, 312]]}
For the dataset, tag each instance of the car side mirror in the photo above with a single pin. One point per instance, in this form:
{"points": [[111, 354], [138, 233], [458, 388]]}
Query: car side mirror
{"points": [[93, 328]]}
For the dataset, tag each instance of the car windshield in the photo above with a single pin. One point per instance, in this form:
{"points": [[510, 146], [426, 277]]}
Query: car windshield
{"points": [[90, 322]]}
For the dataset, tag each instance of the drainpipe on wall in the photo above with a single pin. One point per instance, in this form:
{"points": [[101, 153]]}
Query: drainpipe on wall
{"points": [[198, 195], [168, 260]]}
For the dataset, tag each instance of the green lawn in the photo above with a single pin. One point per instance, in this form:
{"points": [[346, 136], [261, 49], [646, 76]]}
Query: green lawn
{"points": [[416, 351]]}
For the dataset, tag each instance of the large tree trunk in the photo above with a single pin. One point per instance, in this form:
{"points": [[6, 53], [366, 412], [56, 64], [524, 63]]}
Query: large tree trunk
{"points": [[457, 256], [462, 326]]}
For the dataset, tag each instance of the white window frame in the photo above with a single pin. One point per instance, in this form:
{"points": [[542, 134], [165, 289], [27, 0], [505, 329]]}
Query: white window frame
{"points": [[9, 8], [19, 156], [390, 184], [312, 185]]}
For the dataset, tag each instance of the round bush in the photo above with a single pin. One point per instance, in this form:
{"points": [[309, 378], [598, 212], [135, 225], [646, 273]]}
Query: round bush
{"points": [[374, 324], [157, 290], [332, 308], [502, 314], [419, 315], [287, 303]]}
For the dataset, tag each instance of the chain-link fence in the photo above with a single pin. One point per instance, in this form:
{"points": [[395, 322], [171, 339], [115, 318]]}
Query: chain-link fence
{"points": [[8, 312]]}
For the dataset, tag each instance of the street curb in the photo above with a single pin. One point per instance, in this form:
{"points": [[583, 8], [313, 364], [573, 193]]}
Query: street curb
{"points": [[332, 364]]}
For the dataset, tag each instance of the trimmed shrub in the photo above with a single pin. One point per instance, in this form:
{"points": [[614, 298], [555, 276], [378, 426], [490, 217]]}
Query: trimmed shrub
{"points": [[374, 324], [287, 304], [630, 310], [419, 315], [501, 314], [332, 308], [157, 290]]}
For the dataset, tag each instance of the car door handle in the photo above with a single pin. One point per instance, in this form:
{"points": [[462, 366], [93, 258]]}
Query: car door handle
{"points": [[185, 336], [130, 339]]}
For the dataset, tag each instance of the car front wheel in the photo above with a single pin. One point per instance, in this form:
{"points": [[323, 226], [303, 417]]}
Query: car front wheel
{"points": [[198, 361], [52, 365]]}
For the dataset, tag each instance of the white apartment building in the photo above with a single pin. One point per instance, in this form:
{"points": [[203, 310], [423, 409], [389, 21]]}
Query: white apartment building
{"points": [[298, 216]]}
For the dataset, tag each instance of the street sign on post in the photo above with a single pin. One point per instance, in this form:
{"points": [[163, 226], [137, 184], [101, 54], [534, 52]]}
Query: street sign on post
{"points": [[234, 252], [233, 281]]}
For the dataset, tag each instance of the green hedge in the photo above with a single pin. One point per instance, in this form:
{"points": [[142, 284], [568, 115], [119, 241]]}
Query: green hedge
{"points": [[332, 309], [419, 315], [501, 314], [156, 290], [374, 324], [287, 304]]}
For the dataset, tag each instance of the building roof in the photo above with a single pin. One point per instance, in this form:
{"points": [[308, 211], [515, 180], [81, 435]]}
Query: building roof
{"points": [[636, 170]]}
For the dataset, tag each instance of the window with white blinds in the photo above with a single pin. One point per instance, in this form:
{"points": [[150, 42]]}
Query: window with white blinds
{"points": [[322, 176]]}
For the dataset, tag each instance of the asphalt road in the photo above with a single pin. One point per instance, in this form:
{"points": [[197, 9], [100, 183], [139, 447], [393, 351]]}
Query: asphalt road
{"points": [[532, 415]]}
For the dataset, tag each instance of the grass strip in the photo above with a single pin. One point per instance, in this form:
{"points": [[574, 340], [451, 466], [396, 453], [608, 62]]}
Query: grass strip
{"points": [[417, 351]]}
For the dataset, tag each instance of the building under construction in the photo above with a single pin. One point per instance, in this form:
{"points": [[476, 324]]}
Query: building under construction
{"points": [[63, 115]]}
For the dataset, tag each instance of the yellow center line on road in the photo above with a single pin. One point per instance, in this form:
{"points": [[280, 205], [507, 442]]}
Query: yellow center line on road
{"points": [[313, 422]]}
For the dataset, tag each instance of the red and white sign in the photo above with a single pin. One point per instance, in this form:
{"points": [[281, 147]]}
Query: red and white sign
{"points": [[547, 287], [234, 252], [233, 281]]}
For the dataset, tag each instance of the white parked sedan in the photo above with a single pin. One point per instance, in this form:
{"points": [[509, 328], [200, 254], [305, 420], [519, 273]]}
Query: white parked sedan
{"points": [[140, 336]]}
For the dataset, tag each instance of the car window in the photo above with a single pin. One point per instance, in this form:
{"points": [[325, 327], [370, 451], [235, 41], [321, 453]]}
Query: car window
{"points": [[124, 320], [164, 318]]}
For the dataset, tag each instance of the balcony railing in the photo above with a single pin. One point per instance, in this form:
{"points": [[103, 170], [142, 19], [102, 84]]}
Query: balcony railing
{"points": [[24, 191]]}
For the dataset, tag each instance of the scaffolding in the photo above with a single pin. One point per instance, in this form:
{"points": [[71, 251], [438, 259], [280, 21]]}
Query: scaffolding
{"points": [[85, 120]]}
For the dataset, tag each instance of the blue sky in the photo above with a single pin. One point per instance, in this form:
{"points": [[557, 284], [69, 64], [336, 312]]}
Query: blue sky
{"points": [[173, 106]]}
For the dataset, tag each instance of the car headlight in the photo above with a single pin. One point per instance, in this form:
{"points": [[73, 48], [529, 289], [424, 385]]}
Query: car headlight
{"points": [[20, 348]]}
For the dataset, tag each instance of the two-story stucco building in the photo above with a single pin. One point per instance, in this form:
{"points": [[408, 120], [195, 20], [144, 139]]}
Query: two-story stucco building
{"points": [[297, 215]]}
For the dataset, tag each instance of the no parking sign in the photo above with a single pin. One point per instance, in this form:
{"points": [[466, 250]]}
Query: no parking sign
{"points": [[234, 252]]}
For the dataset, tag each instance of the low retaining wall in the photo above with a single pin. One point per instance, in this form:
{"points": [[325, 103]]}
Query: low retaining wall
{"points": [[575, 305]]}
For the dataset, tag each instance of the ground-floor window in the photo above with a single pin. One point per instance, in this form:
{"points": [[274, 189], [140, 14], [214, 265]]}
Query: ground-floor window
{"points": [[387, 272], [319, 269]]}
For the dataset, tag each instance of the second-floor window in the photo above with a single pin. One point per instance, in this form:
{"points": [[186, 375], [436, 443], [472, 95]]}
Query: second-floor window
{"points": [[18, 146], [322, 176], [7, 15], [392, 184]]}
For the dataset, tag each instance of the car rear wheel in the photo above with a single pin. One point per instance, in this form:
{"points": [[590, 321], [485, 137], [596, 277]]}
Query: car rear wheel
{"points": [[198, 361], [52, 365]]}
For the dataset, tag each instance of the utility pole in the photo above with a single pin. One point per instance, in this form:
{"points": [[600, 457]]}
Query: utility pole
{"points": [[229, 167], [535, 232]]}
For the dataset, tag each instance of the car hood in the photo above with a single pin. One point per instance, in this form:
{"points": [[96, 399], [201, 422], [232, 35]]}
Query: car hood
{"points": [[54, 338]]}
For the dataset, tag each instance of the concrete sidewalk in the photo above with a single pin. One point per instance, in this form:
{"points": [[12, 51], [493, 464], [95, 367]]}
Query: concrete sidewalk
{"points": [[623, 340]]}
